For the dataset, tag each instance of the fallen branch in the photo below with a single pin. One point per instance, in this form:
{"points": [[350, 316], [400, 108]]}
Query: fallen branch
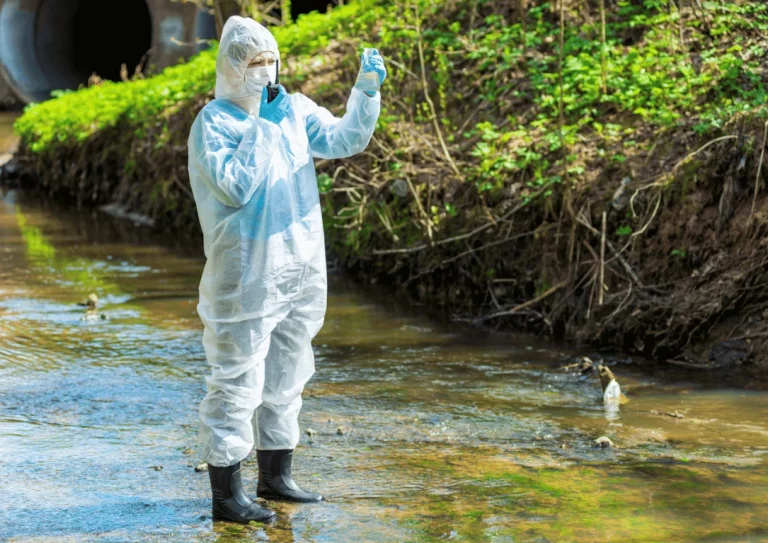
{"points": [[654, 181], [468, 252], [522, 306], [460, 237], [601, 287]]}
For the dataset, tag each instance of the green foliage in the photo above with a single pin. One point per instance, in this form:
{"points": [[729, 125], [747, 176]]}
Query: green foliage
{"points": [[653, 81], [73, 116], [495, 85]]}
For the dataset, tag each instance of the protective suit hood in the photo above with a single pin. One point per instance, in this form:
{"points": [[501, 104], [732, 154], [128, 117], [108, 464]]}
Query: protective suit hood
{"points": [[241, 40]]}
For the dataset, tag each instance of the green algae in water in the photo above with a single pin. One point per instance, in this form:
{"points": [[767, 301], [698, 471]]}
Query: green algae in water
{"points": [[491, 499]]}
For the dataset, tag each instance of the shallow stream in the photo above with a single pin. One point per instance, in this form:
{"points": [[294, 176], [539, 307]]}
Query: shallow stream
{"points": [[420, 432]]}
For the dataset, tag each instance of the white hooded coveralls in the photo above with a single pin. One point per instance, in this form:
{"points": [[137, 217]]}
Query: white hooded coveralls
{"points": [[263, 289]]}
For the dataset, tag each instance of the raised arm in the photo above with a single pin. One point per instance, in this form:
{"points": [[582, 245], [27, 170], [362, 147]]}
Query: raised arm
{"points": [[331, 137], [235, 167]]}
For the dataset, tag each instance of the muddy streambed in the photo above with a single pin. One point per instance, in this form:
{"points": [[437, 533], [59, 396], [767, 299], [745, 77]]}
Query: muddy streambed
{"points": [[421, 432]]}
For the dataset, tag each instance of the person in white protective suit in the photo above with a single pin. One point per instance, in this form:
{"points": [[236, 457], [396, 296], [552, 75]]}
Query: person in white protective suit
{"points": [[263, 289]]}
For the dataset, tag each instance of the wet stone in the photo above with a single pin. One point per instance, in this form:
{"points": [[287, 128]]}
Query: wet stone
{"points": [[603, 442]]}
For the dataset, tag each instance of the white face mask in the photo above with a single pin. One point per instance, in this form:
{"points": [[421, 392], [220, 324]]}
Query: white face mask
{"points": [[257, 78]]}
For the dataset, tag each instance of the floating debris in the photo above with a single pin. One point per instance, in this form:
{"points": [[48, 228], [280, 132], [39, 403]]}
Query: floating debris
{"points": [[92, 313], [612, 394], [583, 365], [603, 442], [91, 303], [201, 467], [343, 430], [156, 468], [673, 414]]}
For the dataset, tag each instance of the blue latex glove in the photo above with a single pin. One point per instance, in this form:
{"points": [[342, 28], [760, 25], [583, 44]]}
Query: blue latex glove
{"points": [[276, 110], [371, 63]]}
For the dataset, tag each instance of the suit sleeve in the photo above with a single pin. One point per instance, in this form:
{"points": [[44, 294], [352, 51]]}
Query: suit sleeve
{"points": [[235, 167], [333, 137]]}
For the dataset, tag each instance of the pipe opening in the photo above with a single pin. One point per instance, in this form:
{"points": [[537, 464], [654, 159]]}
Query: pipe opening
{"points": [[47, 45], [300, 7], [106, 35]]}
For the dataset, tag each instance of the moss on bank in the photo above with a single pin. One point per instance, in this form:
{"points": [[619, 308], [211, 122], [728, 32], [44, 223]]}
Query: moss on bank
{"points": [[485, 188]]}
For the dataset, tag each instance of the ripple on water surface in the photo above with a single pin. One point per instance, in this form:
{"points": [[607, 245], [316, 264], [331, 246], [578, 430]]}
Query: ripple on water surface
{"points": [[418, 432]]}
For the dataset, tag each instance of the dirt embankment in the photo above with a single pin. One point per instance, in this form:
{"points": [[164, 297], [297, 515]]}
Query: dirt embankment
{"points": [[662, 254]]}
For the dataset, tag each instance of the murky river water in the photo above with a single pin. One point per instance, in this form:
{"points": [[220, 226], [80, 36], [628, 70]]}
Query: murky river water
{"points": [[445, 437]]}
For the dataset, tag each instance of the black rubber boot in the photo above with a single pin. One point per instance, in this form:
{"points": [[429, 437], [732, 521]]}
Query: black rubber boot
{"points": [[276, 481], [229, 499]]}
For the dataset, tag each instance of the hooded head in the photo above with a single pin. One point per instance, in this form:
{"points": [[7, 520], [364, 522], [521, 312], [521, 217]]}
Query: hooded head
{"points": [[242, 40]]}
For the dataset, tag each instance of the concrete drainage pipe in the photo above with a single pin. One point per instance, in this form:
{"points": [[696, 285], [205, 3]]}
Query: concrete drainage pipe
{"points": [[57, 44]]}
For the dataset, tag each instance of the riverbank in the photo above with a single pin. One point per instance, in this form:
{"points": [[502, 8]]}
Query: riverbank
{"points": [[626, 212]]}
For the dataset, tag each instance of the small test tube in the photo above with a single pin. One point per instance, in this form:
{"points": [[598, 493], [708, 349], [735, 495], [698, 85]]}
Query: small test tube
{"points": [[369, 80]]}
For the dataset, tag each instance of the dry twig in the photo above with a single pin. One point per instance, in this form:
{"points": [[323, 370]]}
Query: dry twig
{"points": [[522, 306]]}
